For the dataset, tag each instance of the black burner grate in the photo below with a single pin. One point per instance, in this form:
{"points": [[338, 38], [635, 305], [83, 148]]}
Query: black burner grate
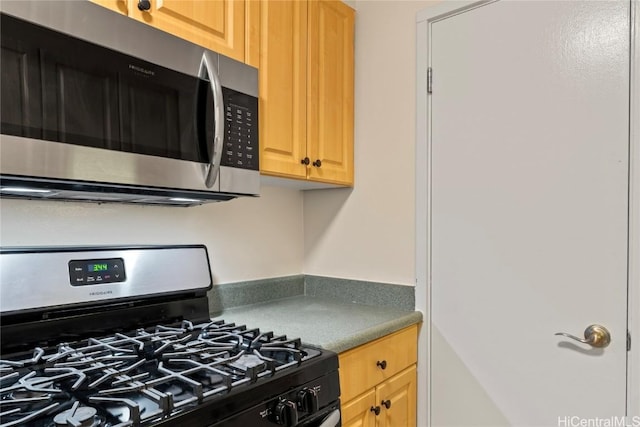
{"points": [[140, 377]]}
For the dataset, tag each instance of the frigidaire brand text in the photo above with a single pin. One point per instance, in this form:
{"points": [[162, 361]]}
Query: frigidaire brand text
{"points": [[98, 293], [142, 70]]}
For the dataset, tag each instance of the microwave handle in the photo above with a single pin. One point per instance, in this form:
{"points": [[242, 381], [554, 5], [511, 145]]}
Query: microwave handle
{"points": [[207, 70]]}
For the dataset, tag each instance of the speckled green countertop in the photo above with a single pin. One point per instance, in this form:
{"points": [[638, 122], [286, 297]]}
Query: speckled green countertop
{"points": [[320, 321]]}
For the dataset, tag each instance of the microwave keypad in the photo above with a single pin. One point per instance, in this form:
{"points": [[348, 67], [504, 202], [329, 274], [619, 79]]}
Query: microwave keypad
{"points": [[241, 141]]}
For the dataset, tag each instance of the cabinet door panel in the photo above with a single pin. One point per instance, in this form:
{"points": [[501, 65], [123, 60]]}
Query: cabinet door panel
{"points": [[218, 25], [399, 392], [359, 368], [330, 91], [120, 6], [283, 70], [357, 412], [252, 33]]}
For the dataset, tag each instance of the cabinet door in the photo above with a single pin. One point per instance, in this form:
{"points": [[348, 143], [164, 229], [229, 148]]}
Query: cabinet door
{"points": [[252, 33], [357, 412], [283, 73], [215, 24], [330, 91], [399, 394], [120, 6]]}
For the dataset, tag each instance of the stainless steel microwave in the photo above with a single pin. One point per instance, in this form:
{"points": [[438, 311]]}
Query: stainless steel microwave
{"points": [[99, 107]]}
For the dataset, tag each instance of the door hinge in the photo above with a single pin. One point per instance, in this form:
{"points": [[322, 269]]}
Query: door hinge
{"points": [[628, 341], [429, 80]]}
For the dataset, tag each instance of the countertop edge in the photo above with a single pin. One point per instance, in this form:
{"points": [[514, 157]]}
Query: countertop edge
{"points": [[372, 333], [340, 334]]}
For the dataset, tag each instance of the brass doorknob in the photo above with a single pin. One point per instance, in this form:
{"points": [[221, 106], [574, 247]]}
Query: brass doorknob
{"points": [[595, 335]]}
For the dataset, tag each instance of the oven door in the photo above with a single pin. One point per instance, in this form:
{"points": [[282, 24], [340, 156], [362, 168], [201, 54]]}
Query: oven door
{"points": [[328, 417]]}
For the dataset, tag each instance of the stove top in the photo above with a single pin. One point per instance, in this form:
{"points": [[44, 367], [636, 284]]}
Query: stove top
{"points": [[121, 336], [142, 377]]}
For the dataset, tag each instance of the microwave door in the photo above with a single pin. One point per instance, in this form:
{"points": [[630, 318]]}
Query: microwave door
{"points": [[208, 71], [101, 99]]}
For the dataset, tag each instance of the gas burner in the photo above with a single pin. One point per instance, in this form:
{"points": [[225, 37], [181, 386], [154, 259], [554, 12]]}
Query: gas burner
{"points": [[78, 416], [124, 413], [249, 366], [34, 388], [179, 393], [210, 379], [248, 362], [27, 389]]}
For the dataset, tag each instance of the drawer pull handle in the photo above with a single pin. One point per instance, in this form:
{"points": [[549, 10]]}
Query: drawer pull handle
{"points": [[386, 403], [383, 364], [375, 410]]}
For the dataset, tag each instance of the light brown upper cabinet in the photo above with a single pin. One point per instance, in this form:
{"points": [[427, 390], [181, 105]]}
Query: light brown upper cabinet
{"points": [[120, 6], [219, 25], [306, 90]]}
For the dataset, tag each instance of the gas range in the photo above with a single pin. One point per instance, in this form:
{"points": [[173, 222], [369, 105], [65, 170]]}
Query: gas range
{"points": [[146, 359]]}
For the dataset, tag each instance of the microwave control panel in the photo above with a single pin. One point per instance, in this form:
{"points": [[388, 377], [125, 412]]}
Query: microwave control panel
{"points": [[240, 148], [96, 271]]}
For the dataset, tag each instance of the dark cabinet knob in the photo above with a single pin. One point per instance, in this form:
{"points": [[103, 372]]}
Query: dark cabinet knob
{"points": [[305, 161], [286, 413], [375, 410], [386, 403], [382, 364], [308, 400], [317, 163], [144, 5]]}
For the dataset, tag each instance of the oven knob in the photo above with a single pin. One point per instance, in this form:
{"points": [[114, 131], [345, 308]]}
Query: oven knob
{"points": [[286, 413], [308, 400]]}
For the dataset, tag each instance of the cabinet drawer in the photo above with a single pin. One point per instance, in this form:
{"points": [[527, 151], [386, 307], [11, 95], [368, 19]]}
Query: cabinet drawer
{"points": [[360, 368]]}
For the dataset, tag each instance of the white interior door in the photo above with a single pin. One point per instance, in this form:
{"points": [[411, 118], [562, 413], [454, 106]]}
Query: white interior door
{"points": [[529, 187]]}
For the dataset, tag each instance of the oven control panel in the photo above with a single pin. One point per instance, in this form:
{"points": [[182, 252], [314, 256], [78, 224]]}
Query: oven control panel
{"points": [[310, 404], [96, 271]]}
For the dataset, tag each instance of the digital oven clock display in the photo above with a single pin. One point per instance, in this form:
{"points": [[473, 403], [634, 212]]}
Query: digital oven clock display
{"points": [[96, 271], [97, 267]]}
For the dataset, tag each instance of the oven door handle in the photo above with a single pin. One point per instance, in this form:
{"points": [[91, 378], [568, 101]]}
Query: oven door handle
{"points": [[332, 419], [208, 70]]}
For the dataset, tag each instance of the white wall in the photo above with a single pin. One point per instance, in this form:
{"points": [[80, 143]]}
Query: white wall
{"points": [[248, 238], [368, 233]]}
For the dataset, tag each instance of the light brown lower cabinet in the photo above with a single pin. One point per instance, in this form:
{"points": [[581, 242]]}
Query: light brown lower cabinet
{"points": [[378, 382]]}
